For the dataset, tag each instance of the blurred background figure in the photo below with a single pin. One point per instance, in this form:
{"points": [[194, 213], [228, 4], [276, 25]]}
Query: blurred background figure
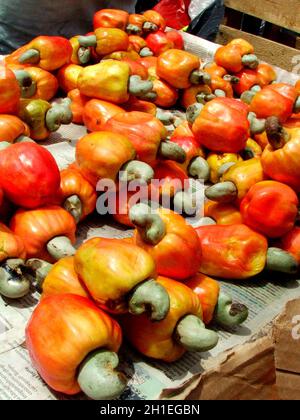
{"points": [[22, 20]]}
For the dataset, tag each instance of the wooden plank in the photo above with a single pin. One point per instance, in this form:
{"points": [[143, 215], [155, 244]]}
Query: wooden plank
{"points": [[282, 13], [269, 51]]}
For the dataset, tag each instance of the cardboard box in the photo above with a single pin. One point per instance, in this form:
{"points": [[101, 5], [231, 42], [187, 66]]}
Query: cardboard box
{"points": [[267, 368]]}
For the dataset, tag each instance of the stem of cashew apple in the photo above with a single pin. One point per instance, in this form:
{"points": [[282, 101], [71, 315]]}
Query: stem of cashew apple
{"points": [[169, 150], [213, 96], [223, 192], [229, 313], [192, 334], [146, 52], [87, 41], [151, 226], [297, 105], [199, 168], [150, 96], [281, 261], [206, 221], [24, 139], [60, 247], [203, 98], [170, 117], [139, 87], [179, 119], [232, 79], [27, 85], [38, 270], [166, 117], [98, 377], [84, 55], [59, 114], [219, 93], [133, 29], [150, 27], [277, 135], [200, 77], [248, 96], [73, 205], [4, 145], [136, 170], [186, 203], [193, 112], [251, 61], [224, 168], [257, 125], [13, 282], [150, 297], [255, 88], [31, 56]]}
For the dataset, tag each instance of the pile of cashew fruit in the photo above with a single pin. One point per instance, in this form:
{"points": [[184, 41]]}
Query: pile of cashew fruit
{"points": [[238, 131]]}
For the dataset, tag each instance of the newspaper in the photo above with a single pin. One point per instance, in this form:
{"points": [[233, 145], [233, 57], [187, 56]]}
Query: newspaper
{"points": [[266, 297]]}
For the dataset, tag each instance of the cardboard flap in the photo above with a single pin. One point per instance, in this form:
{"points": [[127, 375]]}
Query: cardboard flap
{"points": [[286, 335], [245, 373]]}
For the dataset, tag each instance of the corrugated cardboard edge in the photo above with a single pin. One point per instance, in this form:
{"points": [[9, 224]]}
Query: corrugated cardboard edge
{"points": [[288, 385], [245, 372], [286, 337], [267, 368]]}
